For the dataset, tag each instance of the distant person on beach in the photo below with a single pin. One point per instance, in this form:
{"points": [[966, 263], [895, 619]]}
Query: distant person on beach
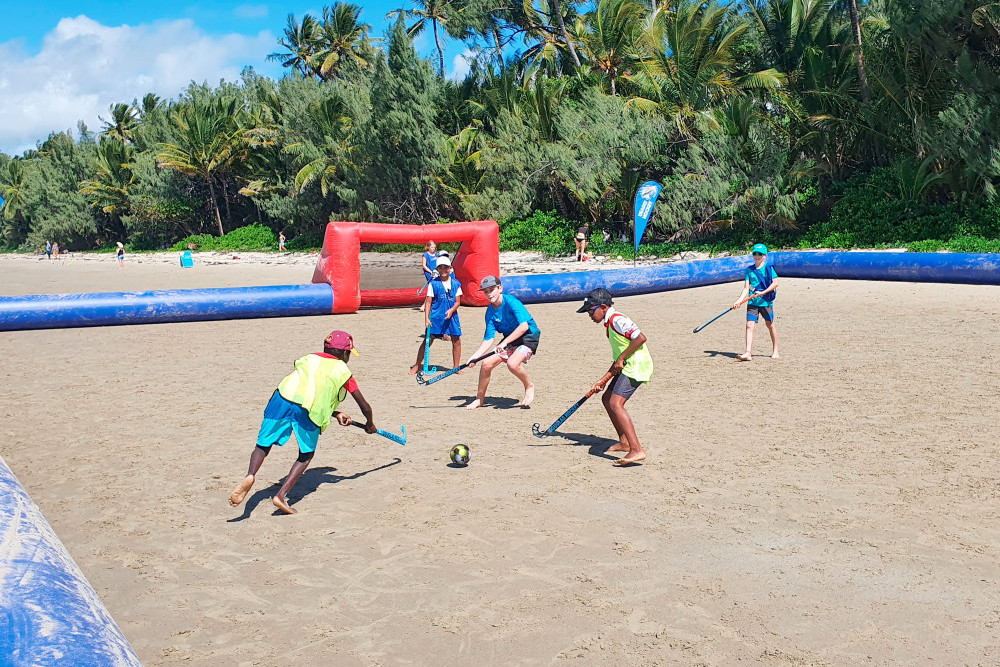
{"points": [[55, 250], [441, 313], [281, 241], [761, 280], [429, 260], [507, 316], [304, 403], [581, 242], [632, 367], [48, 250], [121, 255]]}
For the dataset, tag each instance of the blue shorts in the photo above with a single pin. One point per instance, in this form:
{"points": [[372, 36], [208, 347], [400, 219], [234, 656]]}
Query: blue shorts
{"points": [[766, 311], [281, 419]]}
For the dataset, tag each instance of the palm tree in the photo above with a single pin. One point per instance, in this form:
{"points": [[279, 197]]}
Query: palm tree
{"points": [[789, 30], [302, 44], [435, 12], [12, 188], [331, 119], [561, 22], [109, 188], [208, 137], [613, 43], [852, 8], [123, 123], [547, 37], [343, 39], [689, 70]]}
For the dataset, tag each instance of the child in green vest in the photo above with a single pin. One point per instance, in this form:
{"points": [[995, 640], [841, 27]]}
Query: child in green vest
{"points": [[304, 403], [632, 367]]}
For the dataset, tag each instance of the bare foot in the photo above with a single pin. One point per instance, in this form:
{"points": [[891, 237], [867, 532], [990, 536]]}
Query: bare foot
{"points": [[241, 491], [282, 505], [413, 369], [631, 459], [460, 373], [744, 357], [529, 396], [472, 406], [617, 447], [775, 355]]}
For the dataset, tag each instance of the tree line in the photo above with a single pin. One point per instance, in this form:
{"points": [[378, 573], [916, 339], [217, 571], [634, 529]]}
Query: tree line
{"points": [[756, 115]]}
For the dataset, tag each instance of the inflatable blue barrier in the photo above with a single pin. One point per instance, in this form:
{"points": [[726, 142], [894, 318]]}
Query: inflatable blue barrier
{"points": [[964, 268], [918, 267], [50, 311], [54, 311], [548, 287], [49, 614]]}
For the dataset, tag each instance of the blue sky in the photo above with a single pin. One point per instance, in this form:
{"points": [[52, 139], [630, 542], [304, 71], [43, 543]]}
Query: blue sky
{"points": [[62, 61]]}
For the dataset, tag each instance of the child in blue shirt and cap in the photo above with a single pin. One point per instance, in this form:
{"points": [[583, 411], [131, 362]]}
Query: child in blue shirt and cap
{"points": [[761, 280]]}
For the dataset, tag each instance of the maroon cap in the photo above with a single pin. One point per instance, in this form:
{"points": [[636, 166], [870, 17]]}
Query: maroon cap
{"points": [[340, 340]]}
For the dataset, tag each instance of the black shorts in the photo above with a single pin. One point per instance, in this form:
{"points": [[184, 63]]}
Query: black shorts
{"points": [[624, 386], [529, 340]]}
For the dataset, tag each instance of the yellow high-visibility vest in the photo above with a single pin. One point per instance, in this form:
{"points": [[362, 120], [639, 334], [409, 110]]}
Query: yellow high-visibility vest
{"points": [[318, 384], [639, 366]]}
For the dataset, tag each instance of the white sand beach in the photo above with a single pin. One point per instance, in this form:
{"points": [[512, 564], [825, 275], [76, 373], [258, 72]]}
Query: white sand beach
{"points": [[838, 506]]}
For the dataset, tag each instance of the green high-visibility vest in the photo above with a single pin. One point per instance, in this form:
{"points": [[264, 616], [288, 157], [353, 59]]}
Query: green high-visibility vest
{"points": [[639, 366], [318, 384]]}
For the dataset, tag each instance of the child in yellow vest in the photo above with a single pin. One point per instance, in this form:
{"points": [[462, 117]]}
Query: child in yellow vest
{"points": [[304, 403], [632, 367]]}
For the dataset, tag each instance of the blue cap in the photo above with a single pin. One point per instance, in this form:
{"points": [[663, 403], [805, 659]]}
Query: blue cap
{"points": [[759, 247]]}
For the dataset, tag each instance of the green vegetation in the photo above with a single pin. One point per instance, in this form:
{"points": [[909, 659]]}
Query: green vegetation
{"points": [[799, 123]]}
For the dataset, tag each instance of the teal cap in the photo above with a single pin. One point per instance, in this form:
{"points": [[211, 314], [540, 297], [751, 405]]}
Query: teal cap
{"points": [[759, 247]]}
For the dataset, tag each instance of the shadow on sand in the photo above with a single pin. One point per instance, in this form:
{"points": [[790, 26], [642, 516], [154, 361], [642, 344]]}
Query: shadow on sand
{"points": [[497, 403], [718, 353], [596, 445], [311, 480]]}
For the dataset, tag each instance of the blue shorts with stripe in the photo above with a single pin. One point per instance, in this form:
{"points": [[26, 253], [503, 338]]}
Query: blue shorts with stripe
{"points": [[767, 312], [281, 419]]}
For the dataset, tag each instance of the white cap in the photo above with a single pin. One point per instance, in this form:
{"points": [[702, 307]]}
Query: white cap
{"points": [[442, 261]]}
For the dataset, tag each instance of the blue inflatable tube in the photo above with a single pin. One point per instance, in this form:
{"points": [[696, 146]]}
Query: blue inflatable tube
{"points": [[918, 267], [55, 311], [49, 614], [547, 287], [964, 268]]}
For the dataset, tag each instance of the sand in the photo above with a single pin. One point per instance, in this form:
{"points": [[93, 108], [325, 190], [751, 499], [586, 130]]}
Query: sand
{"points": [[838, 506]]}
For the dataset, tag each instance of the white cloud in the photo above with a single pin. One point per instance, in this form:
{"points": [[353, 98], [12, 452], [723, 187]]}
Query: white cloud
{"points": [[84, 67], [250, 11], [460, 65]]}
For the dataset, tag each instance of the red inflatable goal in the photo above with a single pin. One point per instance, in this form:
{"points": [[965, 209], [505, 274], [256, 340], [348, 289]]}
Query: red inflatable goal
{"points": [[340, 260]]}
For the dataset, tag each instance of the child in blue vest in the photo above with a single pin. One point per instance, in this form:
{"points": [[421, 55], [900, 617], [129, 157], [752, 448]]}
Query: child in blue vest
{"points": [[441, 313], [429, 260], [761, 280], [304, 403]]}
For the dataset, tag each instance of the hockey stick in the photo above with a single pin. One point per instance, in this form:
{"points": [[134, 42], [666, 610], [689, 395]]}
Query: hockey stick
{"points": [[401, 439], [422, 381], [752, 296], [427, 348], [559, 422]]}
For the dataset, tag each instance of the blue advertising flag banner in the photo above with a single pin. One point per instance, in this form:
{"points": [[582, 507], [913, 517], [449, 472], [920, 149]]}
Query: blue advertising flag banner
{"points": [[645, 198]]}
